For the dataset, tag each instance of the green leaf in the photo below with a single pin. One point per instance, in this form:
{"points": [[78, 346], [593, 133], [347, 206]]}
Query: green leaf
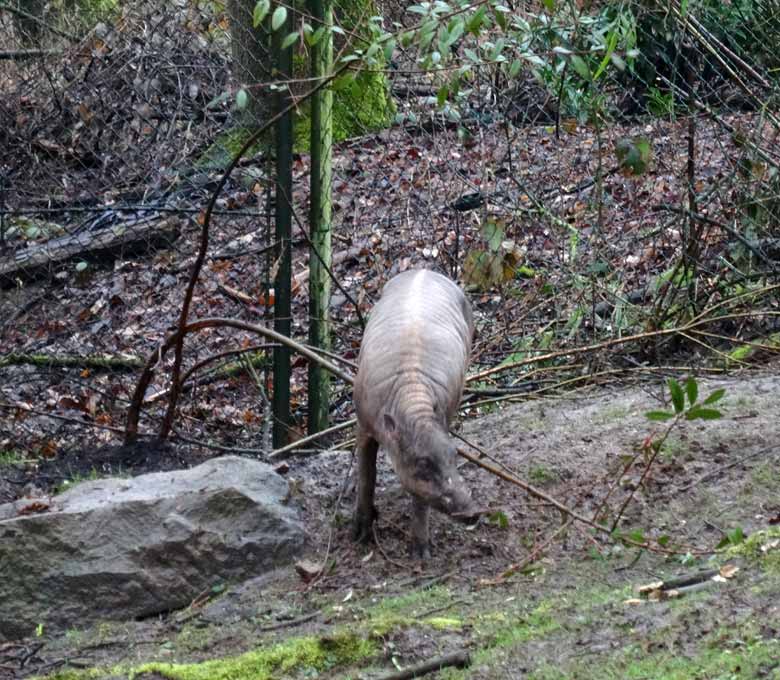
{"points": [[692, 390], [317, 35], [549, 5], [407, 37], [611, 42], [499, 519], [494, 235], [289, 40], [514, 69], [261, 10], [389, 48], [474, 22], [698, 413], [442, 94], [278, 18], [497, 49], [455, 31], [634, 155], [663, 541], [241, 99], [371, 52], [580, 67], [678, 398], [81, 266], [717, 395], [426, 37], [737, 536], [637, 536], [734, 537], [659, 415]]}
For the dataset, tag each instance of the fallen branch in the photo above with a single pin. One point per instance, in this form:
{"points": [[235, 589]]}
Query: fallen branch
{"points": [[19, 55], [237, 295], [456, 660], [290, 623], [104, 361], [105, 244]]}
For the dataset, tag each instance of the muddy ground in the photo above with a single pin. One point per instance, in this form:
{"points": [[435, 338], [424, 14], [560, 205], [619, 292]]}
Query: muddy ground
{"points": [[519, 599]]}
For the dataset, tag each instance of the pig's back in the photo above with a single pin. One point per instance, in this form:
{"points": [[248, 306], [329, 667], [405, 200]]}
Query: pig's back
{"points": [[416, 345]]}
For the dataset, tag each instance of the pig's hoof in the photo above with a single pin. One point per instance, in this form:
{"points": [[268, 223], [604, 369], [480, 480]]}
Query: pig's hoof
{"points": [[420, 550]]}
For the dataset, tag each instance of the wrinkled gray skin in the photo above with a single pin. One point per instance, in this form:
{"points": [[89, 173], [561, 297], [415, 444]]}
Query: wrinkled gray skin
{"points": [[409, 383]]}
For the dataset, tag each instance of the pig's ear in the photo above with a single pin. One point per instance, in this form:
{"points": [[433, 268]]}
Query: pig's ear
{"points": [[390, 425]]}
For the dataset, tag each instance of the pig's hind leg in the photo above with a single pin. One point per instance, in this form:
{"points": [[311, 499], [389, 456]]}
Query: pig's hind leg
{"points": [[365, 512]]}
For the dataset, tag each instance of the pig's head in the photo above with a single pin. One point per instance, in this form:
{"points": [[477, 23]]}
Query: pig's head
{"points": [[426, 464]]}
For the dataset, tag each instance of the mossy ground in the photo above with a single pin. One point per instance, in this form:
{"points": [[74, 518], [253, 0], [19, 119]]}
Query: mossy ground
{"points": [[361, 104], [587, 630]]}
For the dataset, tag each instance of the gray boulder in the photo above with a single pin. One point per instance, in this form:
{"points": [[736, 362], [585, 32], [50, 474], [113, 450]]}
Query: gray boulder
{"points": [[128, 548]]}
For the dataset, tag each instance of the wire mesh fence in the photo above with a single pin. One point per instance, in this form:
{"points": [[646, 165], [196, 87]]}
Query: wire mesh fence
{"points": [[590, 171]]}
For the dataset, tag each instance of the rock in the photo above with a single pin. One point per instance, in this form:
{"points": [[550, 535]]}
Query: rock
{"points": [[130, 548]]}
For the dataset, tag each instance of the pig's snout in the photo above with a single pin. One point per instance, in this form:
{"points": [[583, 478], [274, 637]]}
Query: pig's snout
{"points": [[455, 500]]}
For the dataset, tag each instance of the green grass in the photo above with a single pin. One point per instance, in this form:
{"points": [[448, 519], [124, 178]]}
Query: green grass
{"points": [[11, 458], [323, 654], [68, 484]]}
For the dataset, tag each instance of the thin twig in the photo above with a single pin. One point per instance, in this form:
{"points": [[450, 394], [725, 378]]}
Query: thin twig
{"points": [[311, 438]]}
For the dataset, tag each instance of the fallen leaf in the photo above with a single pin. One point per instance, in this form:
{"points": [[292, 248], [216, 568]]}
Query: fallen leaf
{"points": [[34, 508]]}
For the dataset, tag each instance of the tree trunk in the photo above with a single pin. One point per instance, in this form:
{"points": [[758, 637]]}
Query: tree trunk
{"points": [[320, 257], [251, 58]]}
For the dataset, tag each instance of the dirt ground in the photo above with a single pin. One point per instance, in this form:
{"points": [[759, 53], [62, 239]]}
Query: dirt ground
{"points": [[521, 600]]}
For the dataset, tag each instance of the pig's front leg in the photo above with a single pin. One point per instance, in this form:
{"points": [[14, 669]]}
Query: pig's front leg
{"points": [[365, 512], [419, 546]]}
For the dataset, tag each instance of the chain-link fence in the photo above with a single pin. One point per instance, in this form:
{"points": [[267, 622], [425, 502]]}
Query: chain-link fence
{"points": [[591, 173]]}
